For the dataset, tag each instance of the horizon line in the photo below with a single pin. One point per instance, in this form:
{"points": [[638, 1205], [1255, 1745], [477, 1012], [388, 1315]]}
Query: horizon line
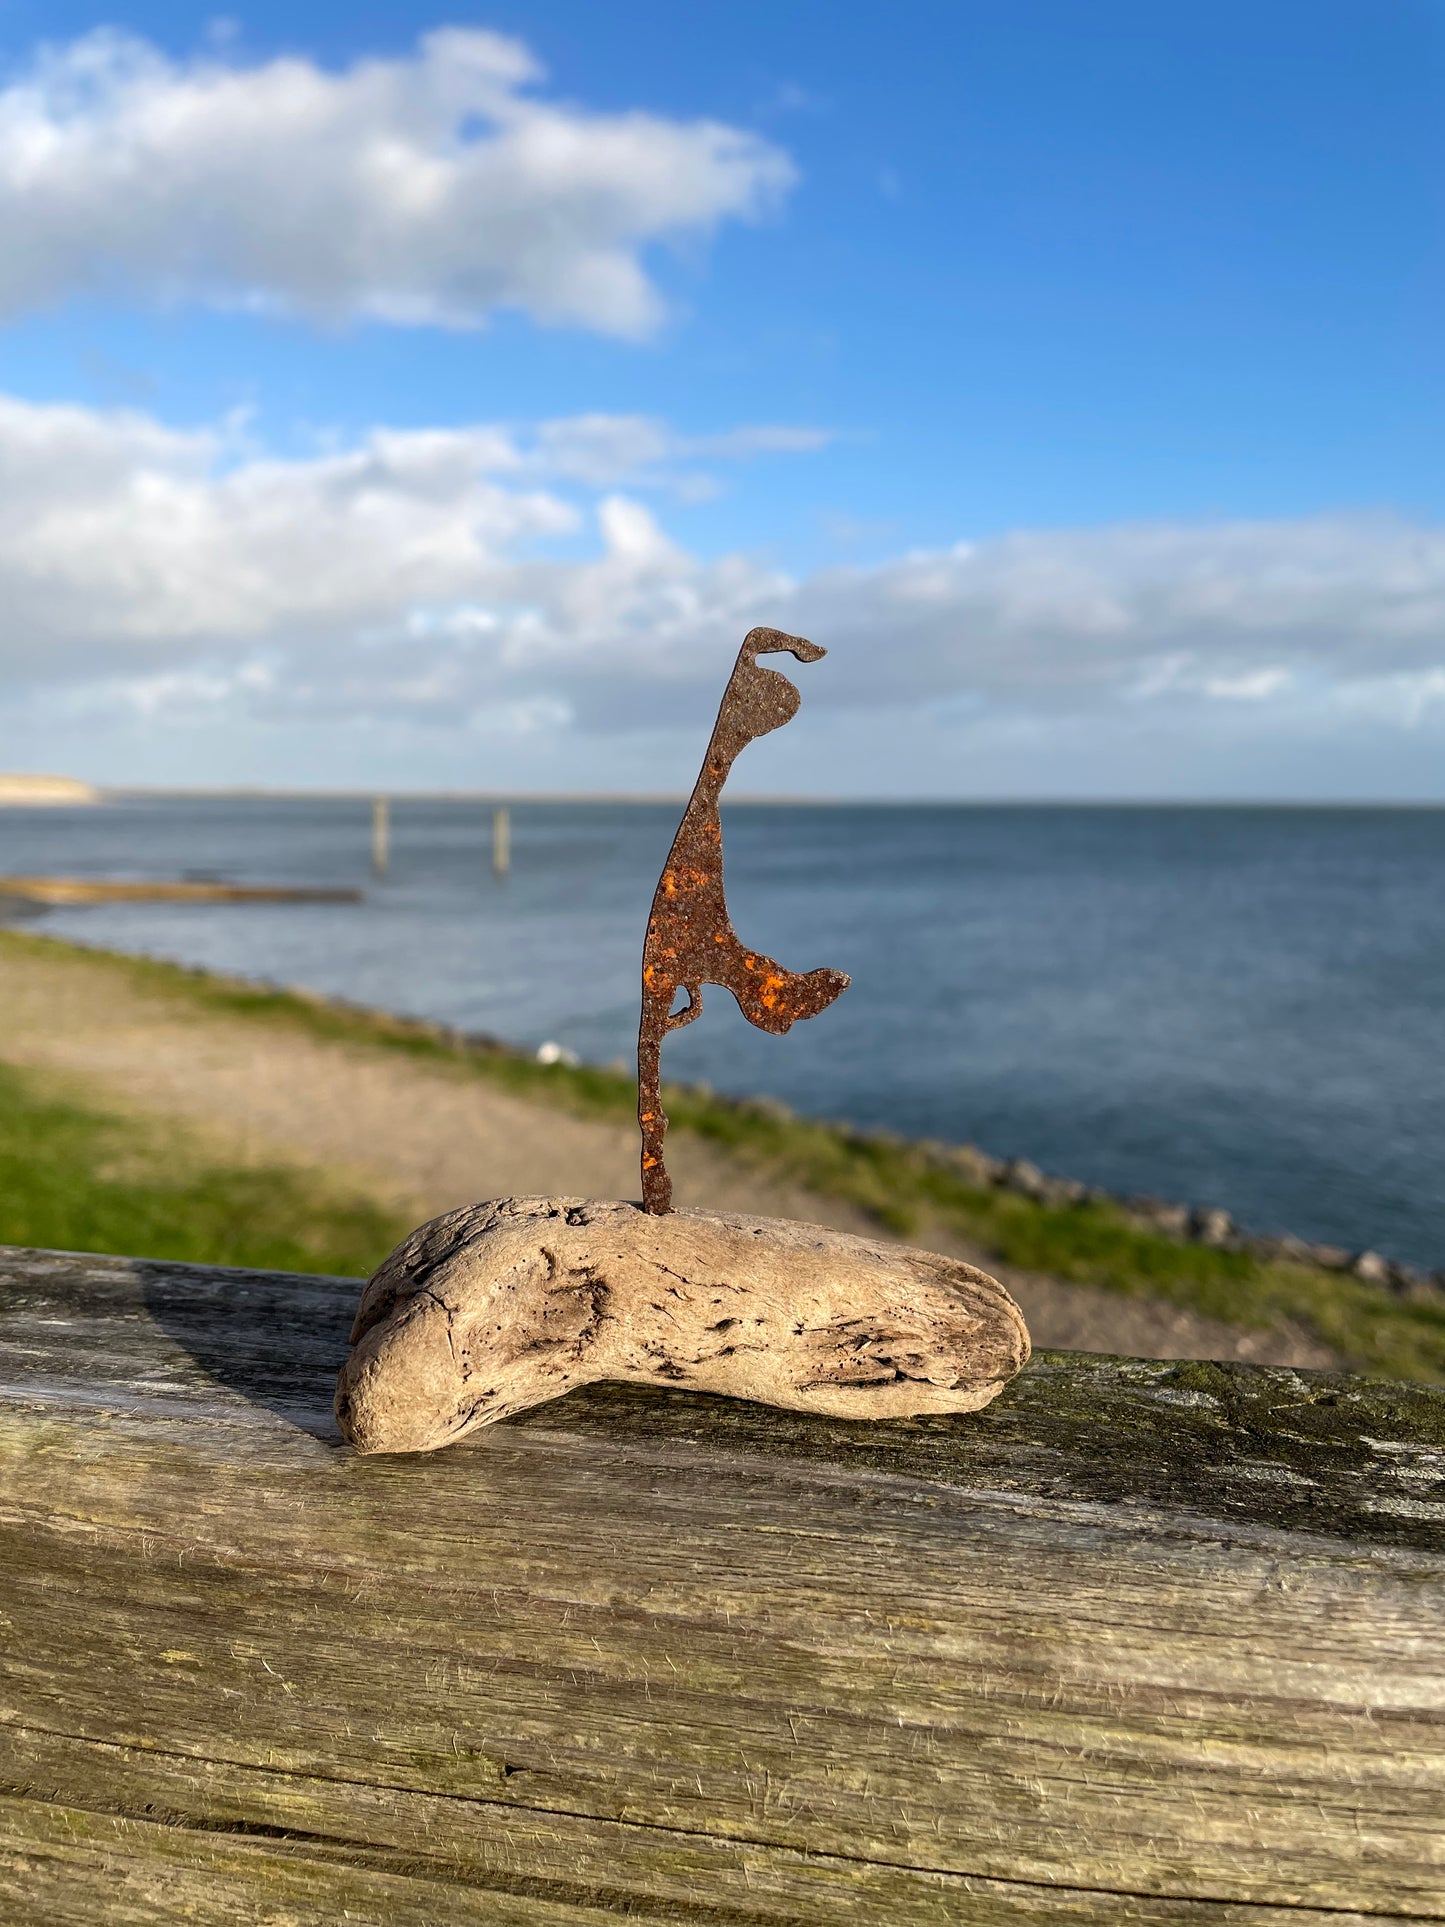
{"points": [[755, 798]]}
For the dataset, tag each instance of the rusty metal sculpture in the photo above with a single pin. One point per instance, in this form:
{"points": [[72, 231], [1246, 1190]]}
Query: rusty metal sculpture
{"points": [[690, 937], [528, 1298]]}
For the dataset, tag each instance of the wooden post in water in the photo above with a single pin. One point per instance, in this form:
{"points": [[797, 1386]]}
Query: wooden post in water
{"points": [[380, 834], [501, 842]]}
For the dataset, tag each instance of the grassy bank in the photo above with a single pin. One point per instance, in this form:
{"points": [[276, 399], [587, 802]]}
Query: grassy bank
{"points": [[908, 1188], [75, 1178]]}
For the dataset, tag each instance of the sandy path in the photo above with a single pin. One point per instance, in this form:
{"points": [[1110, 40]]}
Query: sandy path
{"points": [[427, 1137]]}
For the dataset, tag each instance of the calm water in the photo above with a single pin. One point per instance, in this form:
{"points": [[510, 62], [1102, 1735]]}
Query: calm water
{"points": [[1235, 1006]]}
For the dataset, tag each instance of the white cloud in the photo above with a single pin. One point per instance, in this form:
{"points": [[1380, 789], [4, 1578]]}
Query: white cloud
{"points": [[1254, 686], [1071, 617], [429, 189], [439, 579], [123, 542], [602, 450]]}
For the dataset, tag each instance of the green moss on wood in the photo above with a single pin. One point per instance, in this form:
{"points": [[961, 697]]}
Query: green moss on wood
{"points": [[1335, 1454]]}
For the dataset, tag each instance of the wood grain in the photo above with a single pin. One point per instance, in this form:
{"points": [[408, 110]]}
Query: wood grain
{"points": [[1141, 1642]]}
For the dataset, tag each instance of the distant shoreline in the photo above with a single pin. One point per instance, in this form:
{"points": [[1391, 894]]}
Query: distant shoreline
{"points": [[119, 792]]}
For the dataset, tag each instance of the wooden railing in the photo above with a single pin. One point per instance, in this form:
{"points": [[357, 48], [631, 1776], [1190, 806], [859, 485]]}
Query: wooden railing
{"points": [[1142, 1643]]}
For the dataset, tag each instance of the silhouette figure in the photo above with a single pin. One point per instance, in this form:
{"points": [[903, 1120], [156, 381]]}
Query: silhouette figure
{"points": [[690, 937]]}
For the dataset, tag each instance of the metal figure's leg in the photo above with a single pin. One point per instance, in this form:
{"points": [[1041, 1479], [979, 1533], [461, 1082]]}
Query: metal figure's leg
{"points": [[651, 1118]]}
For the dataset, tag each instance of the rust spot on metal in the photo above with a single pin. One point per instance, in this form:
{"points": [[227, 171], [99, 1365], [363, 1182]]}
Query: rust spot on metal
{"points": [[690, 937]]}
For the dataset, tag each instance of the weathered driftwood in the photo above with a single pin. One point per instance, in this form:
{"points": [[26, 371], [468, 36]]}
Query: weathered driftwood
{"points": [[497, 1307], [1140, 1643]]}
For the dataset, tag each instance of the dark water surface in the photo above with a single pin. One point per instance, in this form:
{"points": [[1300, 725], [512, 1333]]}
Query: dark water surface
{"points": [[1241, 1006]]}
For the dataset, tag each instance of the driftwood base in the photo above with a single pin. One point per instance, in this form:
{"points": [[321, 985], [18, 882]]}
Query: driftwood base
{"points": [[498, 1307]]}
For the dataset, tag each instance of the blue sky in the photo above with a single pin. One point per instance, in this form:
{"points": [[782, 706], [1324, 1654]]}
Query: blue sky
{"points": [[1074, 374]]}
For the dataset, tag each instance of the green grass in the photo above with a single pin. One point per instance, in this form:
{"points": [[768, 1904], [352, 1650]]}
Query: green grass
{"points": [[905, 1187], [77, 1179]]}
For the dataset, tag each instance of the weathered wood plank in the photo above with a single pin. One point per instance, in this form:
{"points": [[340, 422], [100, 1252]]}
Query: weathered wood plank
{"points": [[92, 1867], [1140, 1642]]}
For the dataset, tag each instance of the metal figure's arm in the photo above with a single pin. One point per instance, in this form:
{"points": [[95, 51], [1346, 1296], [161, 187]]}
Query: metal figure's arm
{"points": [[693, 1008]]}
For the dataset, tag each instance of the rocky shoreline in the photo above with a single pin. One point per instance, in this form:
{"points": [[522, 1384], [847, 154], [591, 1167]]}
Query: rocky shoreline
{"points": [[1201, 1224], [1208, 1225], [1182, 1223]]}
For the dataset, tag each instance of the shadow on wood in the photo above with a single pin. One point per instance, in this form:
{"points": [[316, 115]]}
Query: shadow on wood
{"points": [[275, 1339]]}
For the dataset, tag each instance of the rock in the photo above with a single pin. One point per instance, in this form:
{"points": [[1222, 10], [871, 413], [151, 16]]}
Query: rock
{"points": [[497, 1307], [1370, 1266], [1209, 1225], [767, 1110], [1020, 1175], [1281, 1250], [975, 1166], [552, 1052], [1329, 1257], [1061, 1192], [1158, 1215], [1404, 1278]]}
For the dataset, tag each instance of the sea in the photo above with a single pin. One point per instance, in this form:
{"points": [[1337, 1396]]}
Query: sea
{"points": [[1236, 1006]]}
